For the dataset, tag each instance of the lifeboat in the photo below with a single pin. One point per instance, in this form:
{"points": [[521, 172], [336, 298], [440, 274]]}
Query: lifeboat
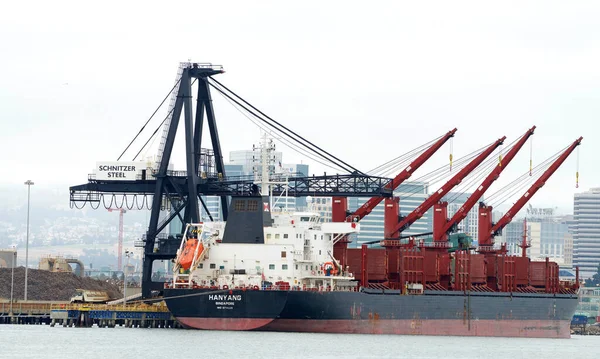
{"points": [[187, 255]]}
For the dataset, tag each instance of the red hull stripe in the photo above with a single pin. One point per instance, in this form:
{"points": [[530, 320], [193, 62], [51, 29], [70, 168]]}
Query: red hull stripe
{"points": [[488, 328], [224, 323]]}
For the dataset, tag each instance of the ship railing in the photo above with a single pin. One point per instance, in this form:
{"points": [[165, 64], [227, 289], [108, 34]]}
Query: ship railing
{"points": [[487, 248], [436, 244], [133, 307], [302, 288], [25, 307]]}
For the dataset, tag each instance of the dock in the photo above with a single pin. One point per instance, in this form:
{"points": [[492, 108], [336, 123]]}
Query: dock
{"points": [[134, 315]]}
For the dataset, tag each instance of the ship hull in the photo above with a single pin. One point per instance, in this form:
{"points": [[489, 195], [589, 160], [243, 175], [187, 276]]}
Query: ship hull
{"points": [[377, 312]]}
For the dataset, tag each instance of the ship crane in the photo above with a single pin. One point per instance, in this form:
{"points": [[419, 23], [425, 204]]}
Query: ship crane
{"points": [[437, 196], [441, 225], [488, 230], [405, 174], [340, 204]]}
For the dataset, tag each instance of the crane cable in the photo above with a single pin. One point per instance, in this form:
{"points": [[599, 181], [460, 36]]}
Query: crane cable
{"points": [[396, 162], [151, 116], [577, 171], [530, 154], [439, 173], [282, 129], [159, 126], [519, 183], [285, 141], [451, 151], [474, 177], [516, 185], [486, 168]]}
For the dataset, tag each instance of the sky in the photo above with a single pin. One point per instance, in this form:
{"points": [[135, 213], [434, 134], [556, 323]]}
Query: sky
{"points": [[367, 82]]}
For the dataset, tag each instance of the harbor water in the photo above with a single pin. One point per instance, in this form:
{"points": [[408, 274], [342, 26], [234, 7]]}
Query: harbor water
{"points": [[42, 341]]}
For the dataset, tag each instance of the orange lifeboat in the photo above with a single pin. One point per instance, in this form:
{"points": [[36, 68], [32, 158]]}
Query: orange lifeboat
{"points": [[187, 255]]}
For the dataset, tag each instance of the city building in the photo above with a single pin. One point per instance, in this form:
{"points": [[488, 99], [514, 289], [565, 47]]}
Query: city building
{"points": [[568, 250], [248, 163], [586, 231], [546, 233], [470, 224]]}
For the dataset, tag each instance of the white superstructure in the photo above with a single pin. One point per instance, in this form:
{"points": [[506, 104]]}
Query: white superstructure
{"points": [[297, 251]]}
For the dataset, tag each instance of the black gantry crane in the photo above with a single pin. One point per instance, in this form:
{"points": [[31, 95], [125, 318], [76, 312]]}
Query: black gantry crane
{"points": [[182, 190]]}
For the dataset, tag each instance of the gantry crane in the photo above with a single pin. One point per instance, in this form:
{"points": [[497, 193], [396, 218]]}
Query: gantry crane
{"points": [[441, 225], [391, 231], [183, 190], [120, 250], [487, 230]]}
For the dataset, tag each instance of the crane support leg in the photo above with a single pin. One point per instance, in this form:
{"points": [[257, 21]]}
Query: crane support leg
{"points": [[192, 173], [204, 91]]}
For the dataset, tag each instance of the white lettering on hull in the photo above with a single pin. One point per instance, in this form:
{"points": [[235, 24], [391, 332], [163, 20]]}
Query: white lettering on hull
{"points": [[227, 297], [224, 301]]}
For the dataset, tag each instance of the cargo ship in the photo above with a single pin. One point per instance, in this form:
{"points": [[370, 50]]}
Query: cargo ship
{"points": [[293, 272], [282, 276]]}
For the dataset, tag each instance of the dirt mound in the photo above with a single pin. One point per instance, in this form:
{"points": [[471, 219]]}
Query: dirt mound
{"points": [[44, 285]]}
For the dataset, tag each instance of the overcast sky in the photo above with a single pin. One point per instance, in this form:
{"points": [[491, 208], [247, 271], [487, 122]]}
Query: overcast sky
{"points": [[367, 81]]}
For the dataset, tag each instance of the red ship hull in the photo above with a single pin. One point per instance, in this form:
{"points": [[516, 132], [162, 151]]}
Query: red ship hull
{"points": [[480, 328]]}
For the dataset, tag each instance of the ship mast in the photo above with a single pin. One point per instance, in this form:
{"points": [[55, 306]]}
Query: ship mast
{"points": [[264, 164]]}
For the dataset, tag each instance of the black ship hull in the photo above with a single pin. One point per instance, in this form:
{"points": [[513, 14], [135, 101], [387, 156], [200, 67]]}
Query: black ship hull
{"points": [[376, 312]]}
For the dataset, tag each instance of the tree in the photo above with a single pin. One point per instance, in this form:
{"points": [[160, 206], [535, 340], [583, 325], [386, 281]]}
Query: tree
{"points": [[595, 280]]}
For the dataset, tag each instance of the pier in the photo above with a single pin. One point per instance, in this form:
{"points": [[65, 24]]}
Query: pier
{"points": [[135, 315]]}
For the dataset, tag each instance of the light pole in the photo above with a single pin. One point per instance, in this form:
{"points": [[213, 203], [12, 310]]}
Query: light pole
{"points": [[28, 183], [127, 254], [12, 278]]}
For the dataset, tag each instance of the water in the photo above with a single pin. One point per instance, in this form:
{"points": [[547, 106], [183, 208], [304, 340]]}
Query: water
{"points": [[24, 341]]}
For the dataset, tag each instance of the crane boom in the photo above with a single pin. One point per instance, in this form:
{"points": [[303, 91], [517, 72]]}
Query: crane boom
{"points": [[532, 190], [487, 182], [369, 205], [454, 181]]}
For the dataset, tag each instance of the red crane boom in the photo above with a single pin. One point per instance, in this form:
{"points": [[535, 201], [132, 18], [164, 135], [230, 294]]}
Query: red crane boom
{"points": [[487, 182], [437, 196], [486, 238], [369, 205]]}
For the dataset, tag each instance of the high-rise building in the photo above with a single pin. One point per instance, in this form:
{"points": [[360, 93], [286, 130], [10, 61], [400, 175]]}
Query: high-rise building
{"points": [[248, 163], [250, 160], [586, 232], [284, 202], [470, 224]]}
